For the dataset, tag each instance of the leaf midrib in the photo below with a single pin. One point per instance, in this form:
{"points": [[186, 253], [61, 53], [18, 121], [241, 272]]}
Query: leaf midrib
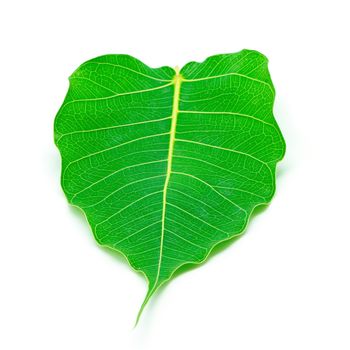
{"points": [[175, 111], [177, 80]]}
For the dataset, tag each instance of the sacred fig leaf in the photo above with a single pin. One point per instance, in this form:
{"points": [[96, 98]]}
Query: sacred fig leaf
{"points": [[167, 163]]}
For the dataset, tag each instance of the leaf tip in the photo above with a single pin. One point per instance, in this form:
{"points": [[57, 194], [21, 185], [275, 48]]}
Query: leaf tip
{"points": [[143, 305]]}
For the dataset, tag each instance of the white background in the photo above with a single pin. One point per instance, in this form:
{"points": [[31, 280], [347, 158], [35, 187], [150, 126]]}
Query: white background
{"points": [[283, 285]]}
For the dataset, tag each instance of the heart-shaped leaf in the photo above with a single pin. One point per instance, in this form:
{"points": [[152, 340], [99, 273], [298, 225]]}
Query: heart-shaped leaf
{"points": [[168, 163]]}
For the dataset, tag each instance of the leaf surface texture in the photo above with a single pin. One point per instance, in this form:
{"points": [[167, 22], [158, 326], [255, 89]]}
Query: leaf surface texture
{"points": [[167, 163]]}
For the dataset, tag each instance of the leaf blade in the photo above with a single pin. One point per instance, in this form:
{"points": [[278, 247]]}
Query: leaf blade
{"points": [[165, 163]]}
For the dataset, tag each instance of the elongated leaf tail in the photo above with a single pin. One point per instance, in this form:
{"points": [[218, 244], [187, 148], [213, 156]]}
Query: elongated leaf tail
{"points": [[151, 290]]}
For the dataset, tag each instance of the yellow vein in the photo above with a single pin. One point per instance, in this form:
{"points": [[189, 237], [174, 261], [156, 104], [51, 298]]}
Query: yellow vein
{"points": [[202, 203], [199, 219], [210, 186], [117, 95], [115, 172], [217, 166], [94, 82], [113, 127], [177, 83], [124, 208], [139, 218], [135, 233], [223, 148], [234, 74], [126, 68], [229, 113], [186, 240], [113, 147], [119, 189]]}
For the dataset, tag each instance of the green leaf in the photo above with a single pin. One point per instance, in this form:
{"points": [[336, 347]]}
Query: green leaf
{"points": [[165, 163]]}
